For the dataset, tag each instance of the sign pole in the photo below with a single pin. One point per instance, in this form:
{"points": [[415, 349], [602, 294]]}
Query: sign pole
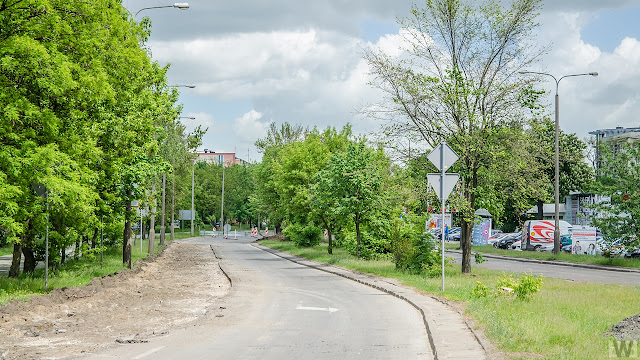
{"points": [[442, 171]]}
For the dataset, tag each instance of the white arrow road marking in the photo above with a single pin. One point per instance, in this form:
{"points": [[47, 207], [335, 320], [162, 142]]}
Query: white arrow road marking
{"points": [[147, 353], [313, 308]]}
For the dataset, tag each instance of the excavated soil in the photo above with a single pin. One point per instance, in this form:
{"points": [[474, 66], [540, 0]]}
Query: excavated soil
{"points": [[168, 291], [627, 329]]}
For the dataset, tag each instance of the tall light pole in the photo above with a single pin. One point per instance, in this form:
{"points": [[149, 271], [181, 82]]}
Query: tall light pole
{"points": [[556, 232], [222, 202], [181, 6]]}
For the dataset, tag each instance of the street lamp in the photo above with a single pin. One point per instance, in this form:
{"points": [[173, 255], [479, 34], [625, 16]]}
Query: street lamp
{"points": [[190, 86], [556, 233], [181, 6]]}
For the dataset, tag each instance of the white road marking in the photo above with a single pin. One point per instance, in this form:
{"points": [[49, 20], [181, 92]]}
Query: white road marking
{"points": [[147, 353], [312, 308]]}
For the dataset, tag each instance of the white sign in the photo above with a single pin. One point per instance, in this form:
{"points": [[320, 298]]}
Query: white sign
{"points": [[437, 156], [450, 181], [583, 240]]}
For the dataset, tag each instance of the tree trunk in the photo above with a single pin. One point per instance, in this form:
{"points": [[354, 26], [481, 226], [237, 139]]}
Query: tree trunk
{"points": [[329, 233], [14, 270], [465, 245], [126, 238], [358, 235], [29, 260], [162, 225], [94, 239], [540, 214], [173, 205], [76, 251], [152, 222], [63, 256]]}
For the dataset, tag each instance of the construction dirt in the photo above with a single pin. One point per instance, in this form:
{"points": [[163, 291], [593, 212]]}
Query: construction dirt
{"points": [[627, 329], [165, 292]]}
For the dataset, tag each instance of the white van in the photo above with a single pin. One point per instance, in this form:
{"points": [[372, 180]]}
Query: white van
{"points": [[539, 233]]}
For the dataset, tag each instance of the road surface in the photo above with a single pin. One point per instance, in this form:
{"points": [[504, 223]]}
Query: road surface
{"points": [[557, 271], [281, 310]]}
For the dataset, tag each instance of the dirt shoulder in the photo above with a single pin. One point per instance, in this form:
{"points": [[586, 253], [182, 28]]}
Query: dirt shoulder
{"points": [[169, 291]]}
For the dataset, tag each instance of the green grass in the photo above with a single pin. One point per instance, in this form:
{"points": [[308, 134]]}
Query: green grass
{"points": [[562, 256], [72, 273], [6, 250], [565, 320]]}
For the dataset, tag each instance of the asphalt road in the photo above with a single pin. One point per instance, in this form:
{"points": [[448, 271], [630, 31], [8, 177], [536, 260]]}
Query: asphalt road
{"points": [[281, 310], [558, 271]]}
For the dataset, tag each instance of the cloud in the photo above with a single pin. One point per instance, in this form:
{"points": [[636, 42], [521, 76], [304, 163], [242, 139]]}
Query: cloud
{"points": [[202, 119], [249, 127]]}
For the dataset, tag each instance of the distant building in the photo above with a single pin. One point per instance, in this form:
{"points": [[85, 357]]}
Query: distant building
{"points": [[212, 157], [614, 138], [548, 211]]}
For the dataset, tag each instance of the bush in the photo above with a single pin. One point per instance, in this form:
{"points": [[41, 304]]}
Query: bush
{"points": [[480, 290], [507, 285], [422, 255], [303, 236]]}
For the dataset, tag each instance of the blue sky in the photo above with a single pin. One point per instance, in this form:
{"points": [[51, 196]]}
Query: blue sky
{"points": [[256, 62]]}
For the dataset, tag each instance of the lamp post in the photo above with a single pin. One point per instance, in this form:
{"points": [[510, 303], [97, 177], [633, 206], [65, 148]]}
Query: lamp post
{"points": [[556, 232], [181, 6]]}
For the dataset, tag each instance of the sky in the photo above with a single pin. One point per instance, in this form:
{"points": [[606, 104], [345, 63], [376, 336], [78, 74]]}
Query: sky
{"points": [[257, 62]]}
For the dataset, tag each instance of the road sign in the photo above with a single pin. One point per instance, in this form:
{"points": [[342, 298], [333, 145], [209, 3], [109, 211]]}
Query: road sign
{"points": [[443, 157], [436, 157], [450, 181]]}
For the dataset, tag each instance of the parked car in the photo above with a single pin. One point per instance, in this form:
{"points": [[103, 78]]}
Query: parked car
{"points": [[633, 254], [517, 245], [507, 241], [452, 234], [495, 238]]}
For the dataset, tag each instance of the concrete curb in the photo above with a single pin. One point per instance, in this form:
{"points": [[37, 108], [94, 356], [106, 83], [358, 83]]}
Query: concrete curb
{"points": [[550, 262], [441, 345]]}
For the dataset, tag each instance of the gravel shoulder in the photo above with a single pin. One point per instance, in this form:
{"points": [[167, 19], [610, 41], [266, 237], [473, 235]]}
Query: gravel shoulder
{"points": [[165, 292]]}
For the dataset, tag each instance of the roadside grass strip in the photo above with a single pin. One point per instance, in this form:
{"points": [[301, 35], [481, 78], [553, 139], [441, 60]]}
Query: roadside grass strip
{"points": [[562, 256], [71, 273], [564, 320]]}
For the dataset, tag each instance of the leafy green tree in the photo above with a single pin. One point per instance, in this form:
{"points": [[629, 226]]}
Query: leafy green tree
{"points": [[354, 180], [618, 214], [458, 82]]}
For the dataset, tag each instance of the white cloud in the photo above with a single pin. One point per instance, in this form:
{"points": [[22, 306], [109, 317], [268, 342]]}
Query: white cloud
{"points": [[202, 119], [249, 127]]}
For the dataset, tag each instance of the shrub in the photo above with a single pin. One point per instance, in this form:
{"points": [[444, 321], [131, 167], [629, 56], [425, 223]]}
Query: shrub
{"points": [[480, 290], [303, 236], [421, 256]]}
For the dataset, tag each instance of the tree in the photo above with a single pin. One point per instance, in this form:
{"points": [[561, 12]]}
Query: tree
{"points": [[618, 214], [459, 83], [575, 173], [352, 180]]}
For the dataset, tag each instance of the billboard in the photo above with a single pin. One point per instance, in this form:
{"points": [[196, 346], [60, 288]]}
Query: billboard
{"points": [[435, 221], [481, 231]]}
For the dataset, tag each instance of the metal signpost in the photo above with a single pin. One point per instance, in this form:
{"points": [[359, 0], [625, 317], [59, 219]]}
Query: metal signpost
{"points": [[443, 157]]}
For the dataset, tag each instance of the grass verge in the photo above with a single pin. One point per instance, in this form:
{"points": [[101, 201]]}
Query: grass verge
{"points": [[71, 273], [580, 259], [6, 250], [565, 320]]}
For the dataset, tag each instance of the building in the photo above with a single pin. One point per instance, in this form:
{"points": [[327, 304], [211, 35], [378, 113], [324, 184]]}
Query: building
{"points": [[212, 157], [548, 211], [614, 138]]}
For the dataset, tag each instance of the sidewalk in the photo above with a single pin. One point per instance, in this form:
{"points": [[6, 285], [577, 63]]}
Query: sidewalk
{"points": [[450, 336]]}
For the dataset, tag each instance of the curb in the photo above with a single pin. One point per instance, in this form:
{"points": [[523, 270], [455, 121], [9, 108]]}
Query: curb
{"points": [[551, 262], [325, 268]]}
